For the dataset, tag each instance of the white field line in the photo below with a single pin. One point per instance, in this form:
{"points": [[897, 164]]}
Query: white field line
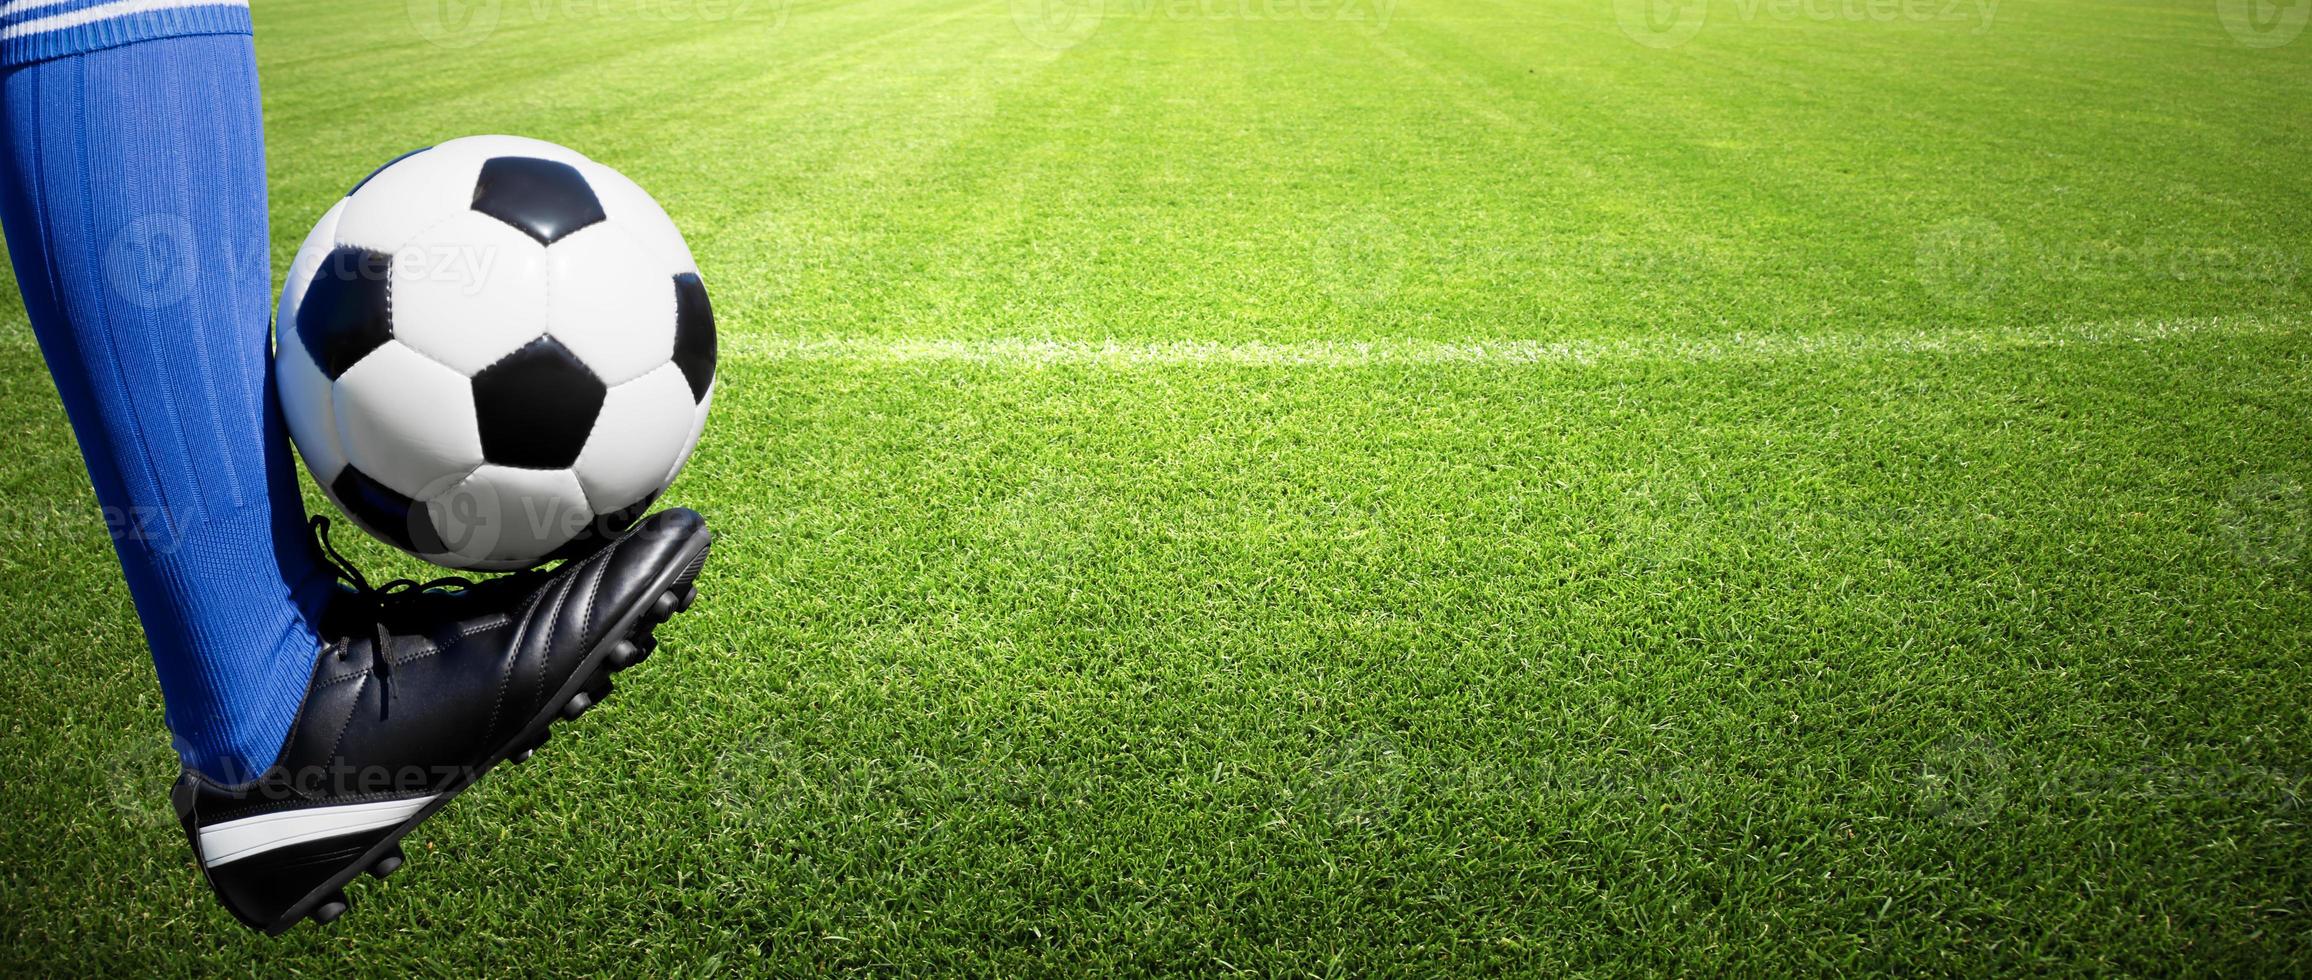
{"points": [[1035, 352]]}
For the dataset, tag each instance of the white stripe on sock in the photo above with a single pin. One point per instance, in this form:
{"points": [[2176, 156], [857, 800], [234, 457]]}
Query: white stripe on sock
{"points": [[249, 836], [24, 6], [102, 11]]}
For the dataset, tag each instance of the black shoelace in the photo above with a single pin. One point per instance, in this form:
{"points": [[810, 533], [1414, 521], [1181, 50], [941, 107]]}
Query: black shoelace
{"points": [[372, 601]]}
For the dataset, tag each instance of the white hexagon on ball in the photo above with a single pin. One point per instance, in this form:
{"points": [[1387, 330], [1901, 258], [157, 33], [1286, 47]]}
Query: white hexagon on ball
{"points": [[642, 437], [613, 305], [470, 290], [501, 517], [405, 419]]}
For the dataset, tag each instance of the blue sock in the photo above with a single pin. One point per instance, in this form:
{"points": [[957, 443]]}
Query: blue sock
{"points": [[132, 185]]}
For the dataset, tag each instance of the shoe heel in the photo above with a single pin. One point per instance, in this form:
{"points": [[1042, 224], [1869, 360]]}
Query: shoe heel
{"points": [[275, 890]]}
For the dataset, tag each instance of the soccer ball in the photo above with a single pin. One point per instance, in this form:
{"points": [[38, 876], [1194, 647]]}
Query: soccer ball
{"points": [[494, 352]]}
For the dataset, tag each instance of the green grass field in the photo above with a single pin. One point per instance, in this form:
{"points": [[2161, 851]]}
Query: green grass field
{"points": [[1434, 486]]}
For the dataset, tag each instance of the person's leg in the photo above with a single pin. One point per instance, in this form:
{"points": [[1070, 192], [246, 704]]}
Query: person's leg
{"points": [[132, 186]]}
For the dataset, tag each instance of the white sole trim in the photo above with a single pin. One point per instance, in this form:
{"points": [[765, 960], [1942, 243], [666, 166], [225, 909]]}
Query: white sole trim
{"points": [[249, 836]]}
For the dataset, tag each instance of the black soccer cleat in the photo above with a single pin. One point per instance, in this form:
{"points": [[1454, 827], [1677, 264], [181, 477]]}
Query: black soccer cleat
{"points": [[420, 690]]}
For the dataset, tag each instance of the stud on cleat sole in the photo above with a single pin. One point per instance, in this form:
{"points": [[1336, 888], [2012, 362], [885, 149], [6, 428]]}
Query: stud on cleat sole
{"points": [[594, 694], [667, 604], [328, 911], [599, 690], [689, 595], [386, 865], [626, 654]]}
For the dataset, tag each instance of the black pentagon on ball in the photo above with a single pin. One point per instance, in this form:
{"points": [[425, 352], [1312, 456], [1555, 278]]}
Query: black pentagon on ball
{"points": [[694, 346], [544, 199], [536, 406], [373, 174], [386, 513], [346, 310]]}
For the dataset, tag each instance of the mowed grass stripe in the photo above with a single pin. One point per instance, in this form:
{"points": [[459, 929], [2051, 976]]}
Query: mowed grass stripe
{"points": [[1031, 351]]}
